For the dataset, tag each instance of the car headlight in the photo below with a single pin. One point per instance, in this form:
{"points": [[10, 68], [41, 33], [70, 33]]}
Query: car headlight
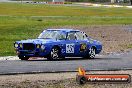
{"points": [[21, 45], [16, 45], [38, 46], [42, 47]]}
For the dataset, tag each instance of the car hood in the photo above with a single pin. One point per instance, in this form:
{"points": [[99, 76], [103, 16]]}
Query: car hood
{"points": [[37, 41]]}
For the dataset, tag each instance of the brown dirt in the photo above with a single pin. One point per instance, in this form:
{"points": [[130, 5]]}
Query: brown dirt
{"points": [[59, 80], [115, 38]]}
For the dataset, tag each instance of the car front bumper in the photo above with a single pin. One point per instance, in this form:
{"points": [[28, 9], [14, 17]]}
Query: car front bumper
{"points": [[32, 53]]}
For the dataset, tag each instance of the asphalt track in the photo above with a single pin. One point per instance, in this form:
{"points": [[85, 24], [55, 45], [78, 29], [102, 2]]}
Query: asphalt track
{"points": [[101, 62]]}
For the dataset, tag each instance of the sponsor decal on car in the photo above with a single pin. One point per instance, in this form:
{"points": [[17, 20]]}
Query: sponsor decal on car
{"points": [[83, 47]]}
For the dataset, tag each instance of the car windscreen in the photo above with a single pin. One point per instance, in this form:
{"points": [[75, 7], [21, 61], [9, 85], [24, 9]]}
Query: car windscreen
{"points": [[52, 35]]}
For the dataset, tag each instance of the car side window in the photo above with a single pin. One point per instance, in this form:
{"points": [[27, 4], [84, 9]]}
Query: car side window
{"points": [[61, 36], [81, 36], [71, 36]]}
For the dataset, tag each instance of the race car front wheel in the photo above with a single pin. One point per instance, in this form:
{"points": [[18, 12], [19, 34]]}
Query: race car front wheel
{"points": [[23, 57], [92, 52], [54, 54]]}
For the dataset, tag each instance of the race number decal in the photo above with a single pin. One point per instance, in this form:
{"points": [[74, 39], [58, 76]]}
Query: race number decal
{"points": [[70, 48]]}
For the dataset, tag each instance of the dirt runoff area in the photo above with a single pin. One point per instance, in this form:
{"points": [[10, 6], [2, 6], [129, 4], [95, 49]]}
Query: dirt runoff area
{"points": [[115, 38], [57, 80]]}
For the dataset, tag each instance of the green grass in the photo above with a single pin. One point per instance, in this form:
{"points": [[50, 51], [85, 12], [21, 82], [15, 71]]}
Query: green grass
{"points": [[23, 21], [55, 10]]}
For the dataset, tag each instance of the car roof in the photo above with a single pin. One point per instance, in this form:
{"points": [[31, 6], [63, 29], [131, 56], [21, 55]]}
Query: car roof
{"points": [[64, 30]]}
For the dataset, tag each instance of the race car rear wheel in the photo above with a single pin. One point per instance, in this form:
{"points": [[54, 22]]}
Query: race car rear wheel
{"points": [[92, 53], [23, 57], [54, 54]]}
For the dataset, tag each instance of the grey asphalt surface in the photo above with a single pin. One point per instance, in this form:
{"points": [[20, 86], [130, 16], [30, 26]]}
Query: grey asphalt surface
{"points": [[102, 62]]}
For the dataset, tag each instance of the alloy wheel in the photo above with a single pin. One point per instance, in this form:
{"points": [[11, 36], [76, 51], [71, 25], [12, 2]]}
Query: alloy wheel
{"points": [[92, 52]]}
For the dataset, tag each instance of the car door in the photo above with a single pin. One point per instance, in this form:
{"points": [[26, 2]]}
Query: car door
{"points": [[82, 42], [71, 45]]}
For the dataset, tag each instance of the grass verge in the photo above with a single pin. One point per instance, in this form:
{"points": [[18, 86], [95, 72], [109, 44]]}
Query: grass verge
{"points": [[17, 9]]}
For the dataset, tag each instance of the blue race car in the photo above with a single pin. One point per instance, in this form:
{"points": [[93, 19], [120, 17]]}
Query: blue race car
{"points": [[58, 43]]}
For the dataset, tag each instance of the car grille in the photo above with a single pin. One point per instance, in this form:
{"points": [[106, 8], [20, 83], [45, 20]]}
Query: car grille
{"points": [[28, 46]]}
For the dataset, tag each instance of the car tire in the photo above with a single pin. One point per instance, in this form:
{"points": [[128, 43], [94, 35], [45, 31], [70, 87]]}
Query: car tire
{"points": [[23, 57], [54, 54], [81, 80], [92, 53]]}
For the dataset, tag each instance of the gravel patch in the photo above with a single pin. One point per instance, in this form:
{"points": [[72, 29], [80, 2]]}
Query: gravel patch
{"points": [[57, 80]]}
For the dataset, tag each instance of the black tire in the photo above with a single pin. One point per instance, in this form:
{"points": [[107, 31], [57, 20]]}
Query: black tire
{"points": [[23, 57], [54, 54], [81, 80], [92, 53]]}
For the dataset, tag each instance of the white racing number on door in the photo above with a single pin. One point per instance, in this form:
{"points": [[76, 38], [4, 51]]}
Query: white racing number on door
{"points": [[70, 48]]}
